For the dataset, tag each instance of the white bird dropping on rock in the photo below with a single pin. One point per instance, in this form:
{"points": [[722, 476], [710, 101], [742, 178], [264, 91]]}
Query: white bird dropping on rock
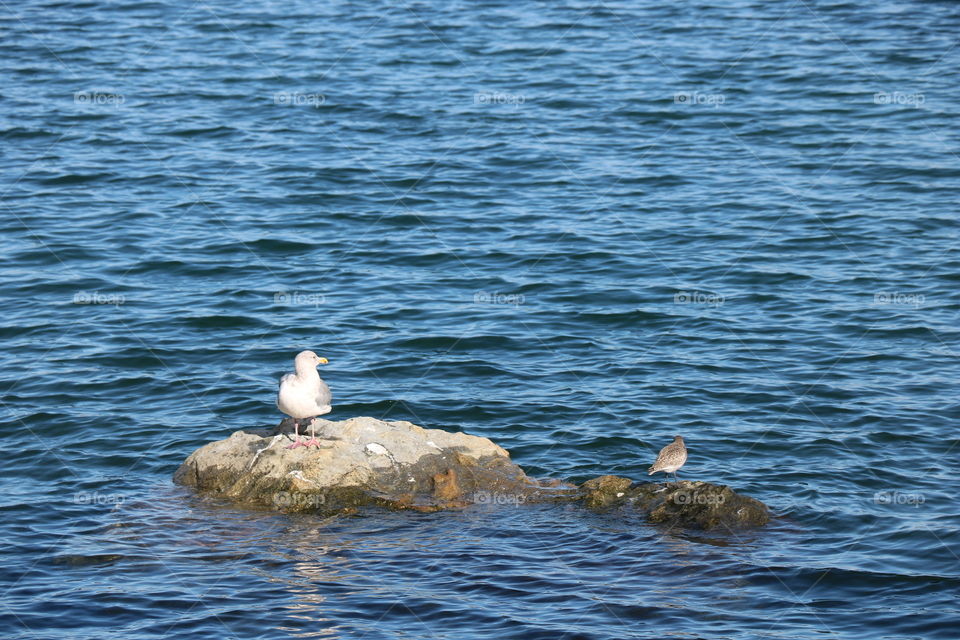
{"points": [[376, 449], [304, 395]]}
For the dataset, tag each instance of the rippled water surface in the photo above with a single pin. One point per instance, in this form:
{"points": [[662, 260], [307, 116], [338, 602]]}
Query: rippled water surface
{"points": [[575, 228]]}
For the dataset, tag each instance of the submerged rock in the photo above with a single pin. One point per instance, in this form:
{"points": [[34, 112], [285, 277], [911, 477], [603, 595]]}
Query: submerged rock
{"points": [[604, 491], [365, 461], [698, 505]]}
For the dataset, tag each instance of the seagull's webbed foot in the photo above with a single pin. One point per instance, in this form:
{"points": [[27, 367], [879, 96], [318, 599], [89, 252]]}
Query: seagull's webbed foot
{"points": [[312, 442], [296, 436]]}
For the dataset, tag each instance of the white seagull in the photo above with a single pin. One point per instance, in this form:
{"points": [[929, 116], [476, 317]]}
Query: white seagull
{"points": [[304, 395]]}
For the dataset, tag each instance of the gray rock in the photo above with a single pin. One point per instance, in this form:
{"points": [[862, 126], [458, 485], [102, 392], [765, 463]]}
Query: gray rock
{"points": [[365, 461]]}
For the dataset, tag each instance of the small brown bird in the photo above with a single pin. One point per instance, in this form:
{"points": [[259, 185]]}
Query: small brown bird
{"points": [[672, 457]]}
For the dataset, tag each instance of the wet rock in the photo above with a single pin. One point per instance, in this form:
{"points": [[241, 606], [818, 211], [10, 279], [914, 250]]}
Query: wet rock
{"points": [[706, 506], [687, 504], [445, 486], [604, 491], [363, 461]]}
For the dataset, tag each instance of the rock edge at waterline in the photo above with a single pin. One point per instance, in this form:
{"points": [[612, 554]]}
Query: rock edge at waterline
{"points": [[365, 461]]}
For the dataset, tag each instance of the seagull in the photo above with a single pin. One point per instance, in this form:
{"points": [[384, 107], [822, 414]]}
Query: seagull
{"points": [[672, 457], [304, 395]]}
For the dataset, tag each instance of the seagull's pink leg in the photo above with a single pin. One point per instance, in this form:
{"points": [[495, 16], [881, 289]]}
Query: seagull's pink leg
{"points": [[296, 431], [313, 436]]}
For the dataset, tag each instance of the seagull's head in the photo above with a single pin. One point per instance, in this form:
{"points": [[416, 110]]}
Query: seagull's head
{"points": [[678, 439], [308, 359]]}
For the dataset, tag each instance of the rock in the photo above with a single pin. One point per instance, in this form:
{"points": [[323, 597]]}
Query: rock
{"points": [[445, 486], [604, 491], [688, 504], [364, 461]]}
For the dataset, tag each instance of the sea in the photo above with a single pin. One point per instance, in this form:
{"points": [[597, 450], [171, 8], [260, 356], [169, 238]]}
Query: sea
{"points": [[577, 228]]}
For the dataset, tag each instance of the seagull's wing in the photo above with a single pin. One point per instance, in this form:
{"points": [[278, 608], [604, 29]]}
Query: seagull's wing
{"points": [[284, 378], [323, 394]]}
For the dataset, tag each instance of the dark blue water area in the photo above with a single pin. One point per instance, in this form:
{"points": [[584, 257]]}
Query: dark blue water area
{"points": [[575, 228]]}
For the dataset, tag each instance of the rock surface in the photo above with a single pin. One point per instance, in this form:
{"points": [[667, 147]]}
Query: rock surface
{"points": [[364, 461], [698, 505]]}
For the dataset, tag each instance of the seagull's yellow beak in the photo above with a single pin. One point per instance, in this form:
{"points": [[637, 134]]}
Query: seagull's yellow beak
{"points": [[321, 360]]}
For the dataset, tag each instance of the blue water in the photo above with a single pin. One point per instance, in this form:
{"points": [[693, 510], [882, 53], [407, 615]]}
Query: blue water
{"points": [[577, 229]]}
